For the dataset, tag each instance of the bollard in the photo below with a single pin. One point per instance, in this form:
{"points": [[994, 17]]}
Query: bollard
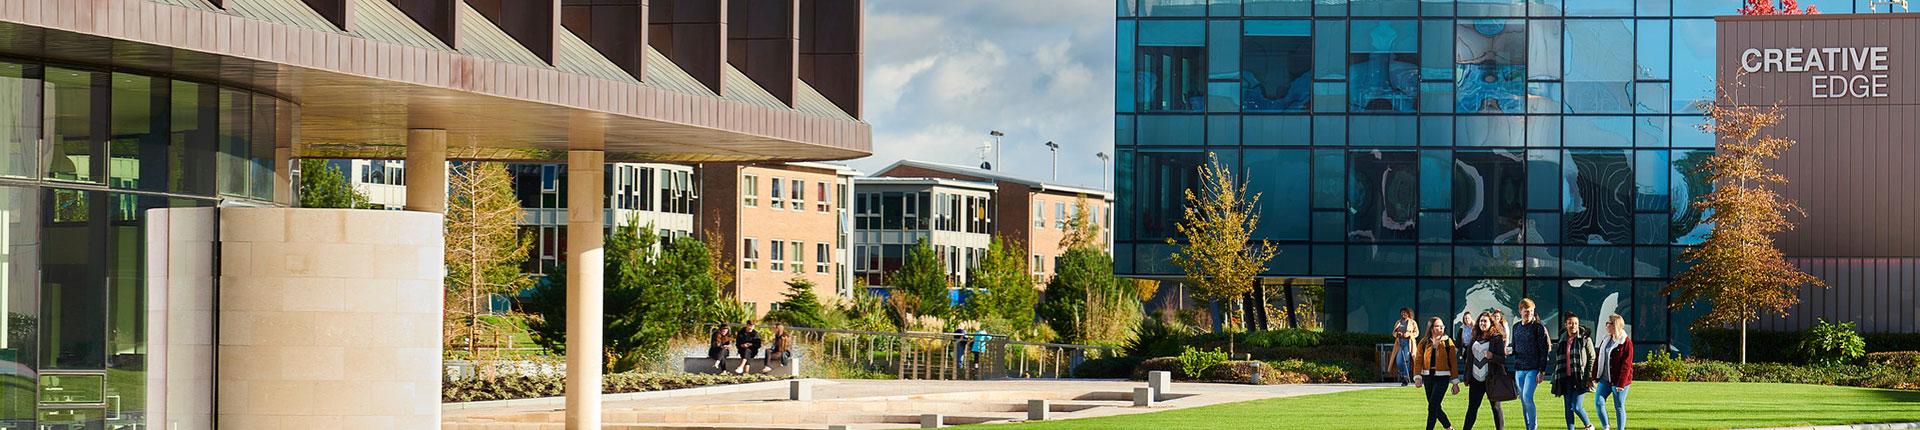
{"points": [[1160, 381], [1037, 410], [800, 389], [1144, 396], [931, 421]]}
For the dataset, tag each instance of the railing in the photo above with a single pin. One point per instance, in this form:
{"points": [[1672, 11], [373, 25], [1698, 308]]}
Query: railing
{"points": [[929, 355]]}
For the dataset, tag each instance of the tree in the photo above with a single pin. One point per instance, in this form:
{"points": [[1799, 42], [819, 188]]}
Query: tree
{"points": [[923, 278], [650, 297], [1219, 260], [1787, 7], [801, 307], [1737, 269], [1082, 274], [1082, 232], [323, 186], [484, 248], [1003, 286]]}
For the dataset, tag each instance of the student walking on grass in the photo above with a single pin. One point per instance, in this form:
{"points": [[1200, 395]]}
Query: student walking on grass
{"points": [[1485, 363], [1436, 362], [1530, 352], [1615, 372], [1405, 333], [1573, 374]]}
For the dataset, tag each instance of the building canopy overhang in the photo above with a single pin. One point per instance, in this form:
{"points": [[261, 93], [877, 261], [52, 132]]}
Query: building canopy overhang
{"points": [[358, 96]]}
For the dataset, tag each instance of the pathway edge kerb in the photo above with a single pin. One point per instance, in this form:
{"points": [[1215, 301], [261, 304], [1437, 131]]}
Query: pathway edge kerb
{"points": [[1886, 426], [644, 395]]}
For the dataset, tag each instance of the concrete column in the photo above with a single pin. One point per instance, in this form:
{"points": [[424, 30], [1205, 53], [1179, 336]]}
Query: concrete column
{"points": [[283, 176], [584, 288], [427, 170]]}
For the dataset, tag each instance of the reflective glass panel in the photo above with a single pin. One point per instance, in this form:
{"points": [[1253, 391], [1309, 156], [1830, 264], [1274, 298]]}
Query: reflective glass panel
{"points": [[1436, 185], [1653, 45], [1489, 195], [20, 88], [1599, 202], [19, 290], [73, 131], [1124, 77], [1383, 195], [1599, 55], [1598, 131], [1485, 295], [1597, 261], [1163, 177], [236, 124], [1373, 304], [192, 142], [1688, 184], [1171, 65], [1281, 180], [1491, 59], [1650, 181], [1383, 260], [1172, 8], [1593, 300], [1383, 66], [1276, 65], [1545, 181], [1693, 54]]}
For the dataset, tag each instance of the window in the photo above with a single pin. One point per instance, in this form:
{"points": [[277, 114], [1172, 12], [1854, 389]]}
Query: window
{"points": [[820, 196], [797, 260], [778, 203], [1038, 269], [1383, 66], [821, 258], [749, 254], [778, 260], [751, 193], [1276, 60], [799, 190], [1039, 214], [1491, 69], [1170, 70], [1060, 215]]}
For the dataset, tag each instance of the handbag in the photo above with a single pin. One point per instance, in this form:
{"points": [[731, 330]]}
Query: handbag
{"points": [[1502, 388]]}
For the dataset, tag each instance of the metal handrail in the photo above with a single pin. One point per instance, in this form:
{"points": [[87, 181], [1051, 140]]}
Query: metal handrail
{"points": [[1003, 357]]}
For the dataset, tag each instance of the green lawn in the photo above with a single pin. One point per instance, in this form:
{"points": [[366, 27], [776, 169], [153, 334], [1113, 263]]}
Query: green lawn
{"points": [[1650, 405]]}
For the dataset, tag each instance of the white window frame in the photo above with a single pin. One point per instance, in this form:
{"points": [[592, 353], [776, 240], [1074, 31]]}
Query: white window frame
{"points": [[797, 192], [1039, 213], [1060, 215], [773, 190], [750, 255], [820, 201], [751, 191], [822, 258], [797, 258], [775, 259]]}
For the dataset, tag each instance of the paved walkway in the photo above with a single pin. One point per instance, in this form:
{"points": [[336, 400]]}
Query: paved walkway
{"points": [[873, 404]]}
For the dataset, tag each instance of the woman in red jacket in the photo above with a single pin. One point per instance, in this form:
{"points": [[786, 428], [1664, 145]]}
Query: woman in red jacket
{"points": [[1615, 373]]}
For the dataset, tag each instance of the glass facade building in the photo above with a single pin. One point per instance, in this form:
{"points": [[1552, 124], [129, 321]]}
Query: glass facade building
{"points": [[84, 153], [1435, 155]]}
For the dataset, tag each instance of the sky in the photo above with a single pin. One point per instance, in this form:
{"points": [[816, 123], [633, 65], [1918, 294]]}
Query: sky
{"points": [[940, 74]]}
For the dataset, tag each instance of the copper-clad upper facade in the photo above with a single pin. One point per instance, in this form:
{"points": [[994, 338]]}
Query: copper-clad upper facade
{"points": [[663, 80]]}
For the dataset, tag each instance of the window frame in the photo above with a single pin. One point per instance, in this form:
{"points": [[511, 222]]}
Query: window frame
{"points": [[750, 195]]}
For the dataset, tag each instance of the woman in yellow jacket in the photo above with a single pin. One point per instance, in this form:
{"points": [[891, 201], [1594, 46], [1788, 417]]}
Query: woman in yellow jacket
{"points": [[1437, 362]]}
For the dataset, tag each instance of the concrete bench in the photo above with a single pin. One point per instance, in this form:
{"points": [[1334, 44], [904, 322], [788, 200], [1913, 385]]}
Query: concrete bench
{"points": [[705, 365]]}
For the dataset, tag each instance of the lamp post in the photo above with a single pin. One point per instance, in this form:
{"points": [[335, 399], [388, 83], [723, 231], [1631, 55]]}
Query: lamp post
{"points": [[1103, 169], [996, 147], [1055, 149]]}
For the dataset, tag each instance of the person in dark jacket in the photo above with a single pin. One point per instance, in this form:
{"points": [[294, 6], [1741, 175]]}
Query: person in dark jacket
{"points": [[1573, 374], [1530, 352], [1614, 373], [1486, 360], [717, 346], [748, 342]]}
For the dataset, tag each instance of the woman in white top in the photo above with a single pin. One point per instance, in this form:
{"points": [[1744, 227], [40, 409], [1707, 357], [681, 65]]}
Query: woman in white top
{"points": [[1486, 361]]}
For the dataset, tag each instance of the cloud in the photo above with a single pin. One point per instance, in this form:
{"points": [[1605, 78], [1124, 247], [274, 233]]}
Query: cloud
{"points": [[941, 74]]}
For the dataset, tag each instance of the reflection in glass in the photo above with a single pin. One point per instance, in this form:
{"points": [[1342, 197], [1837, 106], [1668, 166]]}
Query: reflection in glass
{"points": [[1383, 196], [1383, 64], [1373, 304], [1277, 65], [19, 309], [73, 282], [1593, 300], [1489, 195], [1490, 57], [1599, 66], [1484, 295], [235, 122], [1599, 207], [1280, 179], [19, 119], [70, 123], [1688, 183], [1163, 179]]}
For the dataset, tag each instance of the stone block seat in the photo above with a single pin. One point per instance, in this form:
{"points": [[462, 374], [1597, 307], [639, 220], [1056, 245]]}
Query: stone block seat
{"points": [[705, 365]]}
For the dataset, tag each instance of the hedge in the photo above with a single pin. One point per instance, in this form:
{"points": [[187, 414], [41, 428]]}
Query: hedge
{"points": [[1767, 346], [1272, 372], [526, 387], [1870, 376]]}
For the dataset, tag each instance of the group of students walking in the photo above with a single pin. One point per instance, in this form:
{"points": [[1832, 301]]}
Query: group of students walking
{"points": [[1500, 362], [747, 342]]}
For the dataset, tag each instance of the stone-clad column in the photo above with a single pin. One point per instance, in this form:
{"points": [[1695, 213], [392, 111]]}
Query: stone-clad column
{"points": [[584, 300], [427, 170]]}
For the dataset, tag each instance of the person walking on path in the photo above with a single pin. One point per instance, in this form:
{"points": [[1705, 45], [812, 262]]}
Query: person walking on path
{"points": [[782, 349], [1437, 364], [1405, 333], [717, 346], [748, 343], [1573, 374], [1486, 361], [1530, 352], [1615, 372]]}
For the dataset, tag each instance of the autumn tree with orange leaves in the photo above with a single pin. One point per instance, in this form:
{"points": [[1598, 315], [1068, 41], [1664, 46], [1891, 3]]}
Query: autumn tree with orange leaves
{"points": [[1737, 270]]}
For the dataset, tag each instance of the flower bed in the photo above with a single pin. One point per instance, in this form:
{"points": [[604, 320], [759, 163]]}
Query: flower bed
{"points": [[527, 387]]}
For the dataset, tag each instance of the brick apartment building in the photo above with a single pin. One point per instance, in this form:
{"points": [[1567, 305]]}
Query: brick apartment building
{"points": [[781, 221], [1043, 207]]}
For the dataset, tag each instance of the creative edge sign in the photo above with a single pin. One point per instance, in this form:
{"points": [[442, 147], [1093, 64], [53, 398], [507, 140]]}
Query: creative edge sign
{"points": [[1843, 72]]}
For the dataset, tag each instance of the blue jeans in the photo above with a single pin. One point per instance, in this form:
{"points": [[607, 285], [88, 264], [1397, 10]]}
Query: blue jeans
{"points": [[1527, 380], [1602, 390], [1573, 409], [1402, 359]]}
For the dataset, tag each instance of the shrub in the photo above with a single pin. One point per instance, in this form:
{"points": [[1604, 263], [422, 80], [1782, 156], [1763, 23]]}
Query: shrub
{"points": [[1712, 371], [1156, 339], [526, 387], [1830, 344], [1169, 364], [1194, 362], [1291, 338], [1662, 366], [1909, 360], [1321, 372], [1890, 342], [1243, 371], [1762, 346], [1108, 368], [1360, 339]]}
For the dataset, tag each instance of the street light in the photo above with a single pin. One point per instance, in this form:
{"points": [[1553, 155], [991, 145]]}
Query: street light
{"points": [[1055, 148], [996, 147], [1103, 169]]}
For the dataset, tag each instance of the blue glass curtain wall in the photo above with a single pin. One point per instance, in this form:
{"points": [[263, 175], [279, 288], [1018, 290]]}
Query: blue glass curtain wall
{"points": [[1501, 149]]}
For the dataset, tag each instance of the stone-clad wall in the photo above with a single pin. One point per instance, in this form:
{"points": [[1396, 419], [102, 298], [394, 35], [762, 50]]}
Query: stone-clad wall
{"points": [[329, 319]]}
